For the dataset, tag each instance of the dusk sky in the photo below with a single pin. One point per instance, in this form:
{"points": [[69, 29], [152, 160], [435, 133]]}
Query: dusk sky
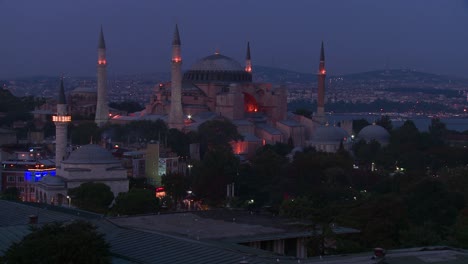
{"points": [[52, 36]]}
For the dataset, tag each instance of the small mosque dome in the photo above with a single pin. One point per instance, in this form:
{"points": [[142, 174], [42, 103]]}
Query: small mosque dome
{"points": [[374, 132], [52, 181], [330, 134], [91, 154], [217, 67], [293, 152], [297, 149]]}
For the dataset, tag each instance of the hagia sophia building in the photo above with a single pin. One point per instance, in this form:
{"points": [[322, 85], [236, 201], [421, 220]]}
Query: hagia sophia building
{"points": [[218, 86], [214, 87]]}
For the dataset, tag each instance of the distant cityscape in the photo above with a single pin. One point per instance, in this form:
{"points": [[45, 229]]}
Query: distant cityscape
{"points": [[397, 85]]}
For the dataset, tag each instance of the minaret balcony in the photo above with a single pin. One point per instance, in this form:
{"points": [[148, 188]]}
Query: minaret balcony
{"points": [[61, 118]]}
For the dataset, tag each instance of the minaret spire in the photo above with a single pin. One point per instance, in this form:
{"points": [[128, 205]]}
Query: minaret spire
{"points": [[321, 87], [61, 97], [176, 115], [102, 43], [322, 54], [248, 60], [61, 120], [102, 109], [176, 38]]}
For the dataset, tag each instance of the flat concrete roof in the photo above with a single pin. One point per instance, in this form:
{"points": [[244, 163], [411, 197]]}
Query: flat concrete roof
{"points": [[228, 225], [193, 226]]}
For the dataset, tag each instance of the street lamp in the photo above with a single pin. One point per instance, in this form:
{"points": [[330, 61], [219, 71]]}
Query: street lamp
{"points": [[69, 200], [189, 166]]}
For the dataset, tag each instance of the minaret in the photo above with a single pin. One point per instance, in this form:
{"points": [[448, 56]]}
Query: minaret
{"points": [[102, 110], [321, 88], [61, 120], [248, 61], [176, 115]]}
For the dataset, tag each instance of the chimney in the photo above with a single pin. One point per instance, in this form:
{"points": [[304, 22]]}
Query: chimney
{"points": [[33, 219]]}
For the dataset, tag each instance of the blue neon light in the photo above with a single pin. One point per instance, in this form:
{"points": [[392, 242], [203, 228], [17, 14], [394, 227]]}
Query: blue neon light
{"points": [[37, 175]]}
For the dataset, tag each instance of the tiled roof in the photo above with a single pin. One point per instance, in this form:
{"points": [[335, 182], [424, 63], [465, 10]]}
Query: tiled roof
{"points": [[127, 245]]}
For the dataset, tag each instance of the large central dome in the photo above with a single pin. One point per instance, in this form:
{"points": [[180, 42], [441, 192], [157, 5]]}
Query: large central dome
{"points": [[217, 62], [217, 68]]}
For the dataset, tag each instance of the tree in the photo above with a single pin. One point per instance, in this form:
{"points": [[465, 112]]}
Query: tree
{"points": [[146, 130], [268, 169], [431, 200], [176, 185], [385, 122], [90, 196], [420, 235], [359, 124], [137, 131], [76, 242], [437, 131], [11, 193], [17, 108], [127, 106], [178, 141], [461, 228], [217, 169], [379, 220], [366, 151], [136, 201], [217, 132], [85, 133]]}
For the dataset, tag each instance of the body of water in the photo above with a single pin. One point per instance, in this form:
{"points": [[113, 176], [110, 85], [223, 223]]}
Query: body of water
{"points": [[422, 123]]}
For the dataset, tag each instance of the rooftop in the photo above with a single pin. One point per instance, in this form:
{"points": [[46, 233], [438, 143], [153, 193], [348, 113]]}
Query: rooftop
{"points": [[433, 255], [127, 245]]}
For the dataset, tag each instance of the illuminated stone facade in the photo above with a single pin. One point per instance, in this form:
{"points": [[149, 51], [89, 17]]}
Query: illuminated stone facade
{"points": [[226, 92]]}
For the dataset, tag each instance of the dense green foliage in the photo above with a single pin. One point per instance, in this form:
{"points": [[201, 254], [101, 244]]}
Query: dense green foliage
{"points": [[11, 193], [16, 108], [76, 242], [144, 131], [127, 106], [417, 195], [136, 201], [137, 131], [211, 175], [176, 185], [377, 106], [85, 133], [217, 132], [90, 196]]}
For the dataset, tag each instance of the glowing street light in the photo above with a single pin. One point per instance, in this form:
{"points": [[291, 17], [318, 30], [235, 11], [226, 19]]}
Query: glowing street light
{"points": [[189, 166]]}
